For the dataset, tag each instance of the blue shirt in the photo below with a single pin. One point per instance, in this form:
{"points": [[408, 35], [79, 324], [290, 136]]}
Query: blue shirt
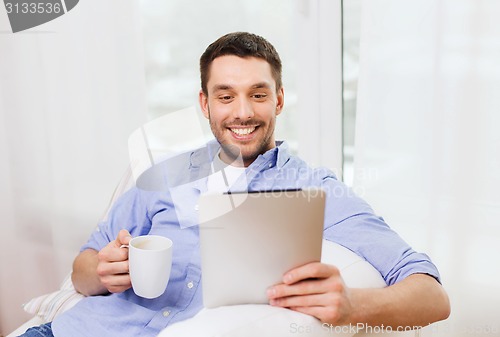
{"points": [[166, 204]]}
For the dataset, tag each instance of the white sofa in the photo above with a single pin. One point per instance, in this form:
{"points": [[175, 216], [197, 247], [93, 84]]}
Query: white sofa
{"points": [[238, 321], [245, 320]]}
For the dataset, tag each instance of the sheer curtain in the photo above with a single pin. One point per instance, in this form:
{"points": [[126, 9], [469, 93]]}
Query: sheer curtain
{"points": [[427, 142], [71, 92]]}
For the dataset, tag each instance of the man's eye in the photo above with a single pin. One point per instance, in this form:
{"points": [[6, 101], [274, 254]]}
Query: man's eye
{"points": [[225, 98], [259, 96]]}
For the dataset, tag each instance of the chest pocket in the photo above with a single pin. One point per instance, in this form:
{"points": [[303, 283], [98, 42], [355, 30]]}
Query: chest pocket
{"points": [[185, 200]]}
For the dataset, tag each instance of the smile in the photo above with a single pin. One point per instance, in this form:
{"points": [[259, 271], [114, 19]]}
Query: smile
{"points": [[242, 132]]}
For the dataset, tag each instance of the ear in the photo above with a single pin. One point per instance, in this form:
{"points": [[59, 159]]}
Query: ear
{"points": [[280, 101], [203, 100]]}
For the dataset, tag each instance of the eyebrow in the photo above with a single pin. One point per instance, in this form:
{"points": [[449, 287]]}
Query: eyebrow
{"points": [[219, 87], [259, 85]]}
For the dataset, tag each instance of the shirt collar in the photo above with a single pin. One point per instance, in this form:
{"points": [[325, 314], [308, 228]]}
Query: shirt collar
{"points": [[204, 155], [283, 153], [277, 156]]}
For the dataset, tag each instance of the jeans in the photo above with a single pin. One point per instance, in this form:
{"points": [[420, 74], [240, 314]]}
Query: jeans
{"points": [[44, 330]]}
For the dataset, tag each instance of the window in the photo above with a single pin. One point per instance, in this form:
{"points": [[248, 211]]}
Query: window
{"points": [[306, 33], [351, 17]]}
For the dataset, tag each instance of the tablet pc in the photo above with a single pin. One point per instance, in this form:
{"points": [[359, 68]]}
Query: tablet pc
{"points": [[249, 240]]}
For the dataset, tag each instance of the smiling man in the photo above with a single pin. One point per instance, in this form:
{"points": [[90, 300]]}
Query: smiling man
{"points": [[241, 100], [241, 96]]}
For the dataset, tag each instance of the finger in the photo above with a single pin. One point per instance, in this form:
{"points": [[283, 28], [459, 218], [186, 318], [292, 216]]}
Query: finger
{"points": [[118, 289], [117, 283], [332, 314], [312, 311], [310, 270], [320, 313], [117, 280], [306, 287], [115, 268], [123, 237], [111, 253], [314, 300]]}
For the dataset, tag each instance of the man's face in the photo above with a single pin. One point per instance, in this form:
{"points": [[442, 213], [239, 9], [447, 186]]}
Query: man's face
{"points": [[242, 105]]}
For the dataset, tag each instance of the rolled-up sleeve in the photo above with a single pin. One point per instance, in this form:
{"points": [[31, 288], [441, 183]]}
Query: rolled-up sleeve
{"points": [[129, 212], [351, 222]]}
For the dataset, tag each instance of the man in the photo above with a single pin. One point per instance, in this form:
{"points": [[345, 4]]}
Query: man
{"points": [[241, 96]]}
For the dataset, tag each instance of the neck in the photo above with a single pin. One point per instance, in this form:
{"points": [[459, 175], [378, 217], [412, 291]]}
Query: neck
{"points": [[232, 155], [236, 161]]}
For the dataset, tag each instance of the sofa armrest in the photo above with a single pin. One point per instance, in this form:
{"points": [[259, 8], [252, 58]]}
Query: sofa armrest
{"points": [[35, 321]]}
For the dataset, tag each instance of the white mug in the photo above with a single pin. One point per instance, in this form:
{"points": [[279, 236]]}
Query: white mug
{"points": [[150, 262]]}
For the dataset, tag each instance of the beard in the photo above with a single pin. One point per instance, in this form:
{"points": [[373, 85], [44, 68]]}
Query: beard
{"points": [[244, 153]]}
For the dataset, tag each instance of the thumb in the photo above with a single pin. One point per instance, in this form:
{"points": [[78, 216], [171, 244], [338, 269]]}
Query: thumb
{"points": [[123, 237]]}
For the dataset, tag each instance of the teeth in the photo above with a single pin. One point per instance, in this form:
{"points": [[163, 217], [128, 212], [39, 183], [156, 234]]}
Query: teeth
{"points": [[243, 132]]}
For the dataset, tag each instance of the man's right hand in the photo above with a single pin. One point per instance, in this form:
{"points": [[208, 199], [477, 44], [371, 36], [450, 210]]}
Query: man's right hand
{"points": [[97, 273], [112, 265]]}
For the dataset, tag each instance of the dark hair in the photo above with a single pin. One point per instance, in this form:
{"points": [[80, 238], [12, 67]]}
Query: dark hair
{"points": [[240, 44]]}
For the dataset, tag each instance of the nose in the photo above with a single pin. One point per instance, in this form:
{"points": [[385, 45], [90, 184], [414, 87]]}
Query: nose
{"points": [[243, 110]]}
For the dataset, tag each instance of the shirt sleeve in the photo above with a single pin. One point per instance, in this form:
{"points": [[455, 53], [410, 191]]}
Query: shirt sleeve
{"points": [[351, 222], [129, 212]]}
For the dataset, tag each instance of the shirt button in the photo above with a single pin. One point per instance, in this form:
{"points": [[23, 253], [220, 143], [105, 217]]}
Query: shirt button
{"points": [[190, 285], [196, 207], [166, 313], [270, 165]]}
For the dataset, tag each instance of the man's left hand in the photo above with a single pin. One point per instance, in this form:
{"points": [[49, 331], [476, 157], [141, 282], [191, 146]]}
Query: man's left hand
{"points": [[315, 289]]}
